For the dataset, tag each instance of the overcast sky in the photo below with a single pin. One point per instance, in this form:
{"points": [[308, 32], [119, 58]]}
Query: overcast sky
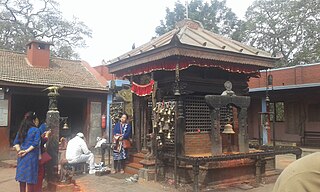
{"points": [[117, 24]]}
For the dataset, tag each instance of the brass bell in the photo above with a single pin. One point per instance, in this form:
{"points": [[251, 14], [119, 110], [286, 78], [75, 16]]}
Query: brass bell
{"points": [[228, 129], [166, 126], [161, 130], [65, 126], [169, 135], [155, 108], [155, 125]]}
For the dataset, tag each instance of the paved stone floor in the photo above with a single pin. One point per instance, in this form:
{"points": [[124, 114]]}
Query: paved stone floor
{"points": [[117, 182]]}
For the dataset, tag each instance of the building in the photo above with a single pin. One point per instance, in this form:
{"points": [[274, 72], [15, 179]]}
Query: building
{"points": [[23, 79], [294, 98], [171, 75]]}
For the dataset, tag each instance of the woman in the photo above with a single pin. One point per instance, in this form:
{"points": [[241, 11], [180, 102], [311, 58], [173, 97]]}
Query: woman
{"points": [[121, 131], [26, 143]]}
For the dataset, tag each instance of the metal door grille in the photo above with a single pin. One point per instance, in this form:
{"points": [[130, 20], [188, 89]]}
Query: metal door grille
{"points": [[198, 115]]}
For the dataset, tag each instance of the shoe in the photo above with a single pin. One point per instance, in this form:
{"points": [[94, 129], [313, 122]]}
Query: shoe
{"points": [[92, 172], [113, 171], [122, 171]]}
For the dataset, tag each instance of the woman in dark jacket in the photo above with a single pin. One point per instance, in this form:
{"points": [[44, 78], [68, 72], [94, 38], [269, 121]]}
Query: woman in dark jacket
{"points": [[121, 132]]}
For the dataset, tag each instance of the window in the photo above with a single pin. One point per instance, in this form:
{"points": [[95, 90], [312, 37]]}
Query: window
{"points": [[41, 46], [278, 109], [314, 112]]}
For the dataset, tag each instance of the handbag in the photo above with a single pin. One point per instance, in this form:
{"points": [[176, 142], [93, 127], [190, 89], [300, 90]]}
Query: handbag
{"points": [[126, 143], [45, 157]]}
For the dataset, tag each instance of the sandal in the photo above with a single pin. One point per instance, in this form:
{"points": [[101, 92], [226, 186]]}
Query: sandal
{"points": [[113, 172], [122, 171]]}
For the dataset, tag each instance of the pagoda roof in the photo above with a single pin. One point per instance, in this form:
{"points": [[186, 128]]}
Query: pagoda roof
{"points": [[190, 39]]}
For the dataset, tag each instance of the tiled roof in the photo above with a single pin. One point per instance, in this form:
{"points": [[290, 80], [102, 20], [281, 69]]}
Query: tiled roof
{"points": [[15, 68], [192, 33]]}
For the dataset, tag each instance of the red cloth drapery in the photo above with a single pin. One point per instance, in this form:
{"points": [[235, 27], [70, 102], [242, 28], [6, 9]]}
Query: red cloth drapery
{"points": [[170, 65], [142, 90]]}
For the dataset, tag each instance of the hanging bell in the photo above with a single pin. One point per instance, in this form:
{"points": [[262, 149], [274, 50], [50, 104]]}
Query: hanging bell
{"points": [[166, 126], [155, 108], [228, 129], [162, 119], [154, 125], [158, 110], [161, 110], [169, 135], [161, 129], [65, 126]]}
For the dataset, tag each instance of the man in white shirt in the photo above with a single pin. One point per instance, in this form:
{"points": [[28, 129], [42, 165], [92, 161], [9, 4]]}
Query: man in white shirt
{"points": [[78, 152]]}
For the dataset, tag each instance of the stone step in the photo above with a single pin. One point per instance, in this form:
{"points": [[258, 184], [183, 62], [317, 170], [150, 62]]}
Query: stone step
{"points": [[136, 157], [133, 168], [134, 165]]}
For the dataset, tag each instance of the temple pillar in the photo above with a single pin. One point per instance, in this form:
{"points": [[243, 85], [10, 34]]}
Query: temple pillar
{"points": [[52, 121]]}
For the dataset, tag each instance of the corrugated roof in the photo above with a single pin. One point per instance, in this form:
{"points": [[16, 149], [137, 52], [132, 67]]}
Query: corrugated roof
{"points": [[192, 33], [15, 68]]}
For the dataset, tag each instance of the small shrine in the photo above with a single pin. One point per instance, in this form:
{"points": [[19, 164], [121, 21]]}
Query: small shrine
{"points": [[190, 101]]}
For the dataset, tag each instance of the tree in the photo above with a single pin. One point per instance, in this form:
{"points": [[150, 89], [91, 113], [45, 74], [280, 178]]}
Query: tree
{"points": [[287, 28], [214, 16], [25, 20]]}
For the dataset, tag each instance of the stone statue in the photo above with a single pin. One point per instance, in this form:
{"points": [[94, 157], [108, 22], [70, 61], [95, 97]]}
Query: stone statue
{"points": [[228, 91]]}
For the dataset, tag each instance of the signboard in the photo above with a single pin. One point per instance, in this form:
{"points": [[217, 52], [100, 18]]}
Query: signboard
{"points": [[95, 122], [1, 94], [3, 113]]}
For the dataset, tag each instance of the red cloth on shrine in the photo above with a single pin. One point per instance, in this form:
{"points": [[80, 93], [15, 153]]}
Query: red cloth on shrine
{"points": [[170, 65], [142, 90]]}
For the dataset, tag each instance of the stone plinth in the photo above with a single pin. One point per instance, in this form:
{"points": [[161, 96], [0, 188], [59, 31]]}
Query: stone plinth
{"points": [[148, 170], [215, 173]]}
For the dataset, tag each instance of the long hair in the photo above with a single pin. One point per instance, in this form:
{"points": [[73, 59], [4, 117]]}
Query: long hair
{"points": [[26, 124]]}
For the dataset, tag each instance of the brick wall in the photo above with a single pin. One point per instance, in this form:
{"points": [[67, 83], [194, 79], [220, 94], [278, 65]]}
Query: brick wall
{"points": [[197, 143], [104, 71], [300, 74]]}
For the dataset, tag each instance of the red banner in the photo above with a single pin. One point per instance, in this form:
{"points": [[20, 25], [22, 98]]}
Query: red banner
{"points": [[142, 90]]}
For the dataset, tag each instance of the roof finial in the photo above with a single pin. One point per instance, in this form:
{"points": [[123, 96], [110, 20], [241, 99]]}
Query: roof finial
{"points": [[187, 9]]}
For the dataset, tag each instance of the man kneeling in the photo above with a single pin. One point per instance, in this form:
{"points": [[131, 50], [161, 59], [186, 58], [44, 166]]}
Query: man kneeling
{"points": [[78, 152]]}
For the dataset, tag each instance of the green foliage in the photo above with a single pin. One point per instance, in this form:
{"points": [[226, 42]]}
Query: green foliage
{"points": [[214, 16], [25, 20], [287, 28]]}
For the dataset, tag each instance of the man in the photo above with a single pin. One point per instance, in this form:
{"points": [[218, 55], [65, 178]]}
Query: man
{"points": [[301, 175], [78, 152]]}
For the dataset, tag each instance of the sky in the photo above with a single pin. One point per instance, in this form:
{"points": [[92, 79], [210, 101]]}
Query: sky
{"points": [[117, 24]]}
